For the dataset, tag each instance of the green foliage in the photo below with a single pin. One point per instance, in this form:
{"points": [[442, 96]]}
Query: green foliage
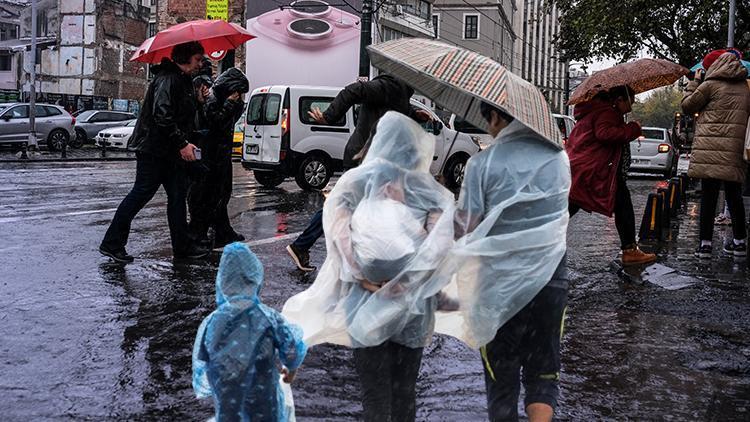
{"points": [[682, 31], [658, 109]]}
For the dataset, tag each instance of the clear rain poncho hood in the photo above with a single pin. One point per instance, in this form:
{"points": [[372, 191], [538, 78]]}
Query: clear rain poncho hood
{"points": [[239, 346], [389, 222], [512, 215]]}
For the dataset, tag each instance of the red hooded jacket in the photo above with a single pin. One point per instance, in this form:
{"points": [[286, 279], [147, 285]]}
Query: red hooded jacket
{"points": [[594, 148]]}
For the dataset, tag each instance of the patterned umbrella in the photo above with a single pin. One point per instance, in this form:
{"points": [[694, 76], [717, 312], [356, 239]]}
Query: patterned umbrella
{"points": [[459, 80], [641, 75]]}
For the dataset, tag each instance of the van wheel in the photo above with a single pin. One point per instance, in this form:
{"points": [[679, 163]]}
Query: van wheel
{"points": [[56, 139], [268, 179], [454, 171], [314, 173]]}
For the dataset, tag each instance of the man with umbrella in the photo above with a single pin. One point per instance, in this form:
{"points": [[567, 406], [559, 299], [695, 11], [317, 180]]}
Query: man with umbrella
{"points": [[163, 142]]}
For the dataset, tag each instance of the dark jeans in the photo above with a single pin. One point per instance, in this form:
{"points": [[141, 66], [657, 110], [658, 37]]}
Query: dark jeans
{"points": [[388, 374], [312, 233], [530, 340], [733, 194], [152, 172], [624, 214], [209, 198]]}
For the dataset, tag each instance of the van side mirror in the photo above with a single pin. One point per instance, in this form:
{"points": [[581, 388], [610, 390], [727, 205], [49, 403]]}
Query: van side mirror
{"points": [[437, 127]]}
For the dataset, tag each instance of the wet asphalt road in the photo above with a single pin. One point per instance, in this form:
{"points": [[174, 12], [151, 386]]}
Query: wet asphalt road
{"points": [[84, 339]]}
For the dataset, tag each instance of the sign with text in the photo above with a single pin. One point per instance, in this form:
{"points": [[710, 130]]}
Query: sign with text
{"points": [[217, 9]]}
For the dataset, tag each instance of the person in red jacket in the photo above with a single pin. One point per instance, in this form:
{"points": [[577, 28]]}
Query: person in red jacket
{"points": [[599, 152]]}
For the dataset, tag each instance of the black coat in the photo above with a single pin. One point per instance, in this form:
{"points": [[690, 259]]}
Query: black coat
{"points": [[232, 80], [378, 96], [167, 118]]}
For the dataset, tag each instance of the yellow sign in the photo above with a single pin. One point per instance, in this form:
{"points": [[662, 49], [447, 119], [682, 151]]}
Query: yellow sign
{"points": [[217, 9]]}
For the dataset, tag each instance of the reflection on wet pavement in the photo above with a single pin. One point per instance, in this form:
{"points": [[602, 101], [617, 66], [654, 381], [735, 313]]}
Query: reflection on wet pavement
{"points": [[86, 339]]}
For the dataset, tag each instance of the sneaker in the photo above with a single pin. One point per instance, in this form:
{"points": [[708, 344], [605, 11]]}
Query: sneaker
{"points": [[736, 250], [723, 220], [636, 256], [704, 252], [300, 258], [119, 256], [193, 252]]}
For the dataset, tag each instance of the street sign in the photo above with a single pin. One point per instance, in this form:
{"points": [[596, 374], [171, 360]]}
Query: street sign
{"points": [[217, 55], [217, 9]]}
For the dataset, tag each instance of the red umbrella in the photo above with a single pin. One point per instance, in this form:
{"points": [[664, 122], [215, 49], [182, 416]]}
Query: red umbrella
{"points": [[214, 35]]}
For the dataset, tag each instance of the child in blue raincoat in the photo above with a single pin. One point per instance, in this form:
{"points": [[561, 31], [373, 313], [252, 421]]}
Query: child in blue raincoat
{"points": [[241, 347]]}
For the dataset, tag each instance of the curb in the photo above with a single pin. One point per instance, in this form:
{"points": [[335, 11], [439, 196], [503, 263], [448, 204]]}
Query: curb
{"points": [[67, 160]]}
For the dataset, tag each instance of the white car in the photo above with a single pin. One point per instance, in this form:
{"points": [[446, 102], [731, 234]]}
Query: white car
{"points": [[282, 141], [116, 137]]}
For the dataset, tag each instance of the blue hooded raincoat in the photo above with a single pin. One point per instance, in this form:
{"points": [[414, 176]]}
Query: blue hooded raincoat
{"points": [[241, 345]]}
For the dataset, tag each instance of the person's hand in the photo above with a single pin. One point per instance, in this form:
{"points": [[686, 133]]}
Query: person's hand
{"points": [[700, 74], [206, 91], [187, 153], [288, 376], [234, 97], [371, 287], [423, 116], [317, 116]]}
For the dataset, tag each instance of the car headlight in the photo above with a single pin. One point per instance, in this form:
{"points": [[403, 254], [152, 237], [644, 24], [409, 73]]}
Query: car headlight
{"points": [[119, 135]]}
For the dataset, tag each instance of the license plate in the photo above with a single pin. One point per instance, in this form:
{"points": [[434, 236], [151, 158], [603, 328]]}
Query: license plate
{"points": [[252, 149]]}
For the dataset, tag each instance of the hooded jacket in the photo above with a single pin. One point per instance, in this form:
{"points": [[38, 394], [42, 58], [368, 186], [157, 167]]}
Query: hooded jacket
{"points": [[383, 93], [723, 103], [222, 113], [167, 118], [595, 148], [238, 345]]}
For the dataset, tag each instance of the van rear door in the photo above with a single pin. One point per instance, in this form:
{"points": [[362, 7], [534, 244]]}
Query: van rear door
{"points": [[263, 128]]}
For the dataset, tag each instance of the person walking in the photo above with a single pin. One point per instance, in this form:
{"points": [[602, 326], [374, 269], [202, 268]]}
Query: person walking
{"points": [[721, 98], [210, 196], [599, 151], [162, 141], [382, 94]]}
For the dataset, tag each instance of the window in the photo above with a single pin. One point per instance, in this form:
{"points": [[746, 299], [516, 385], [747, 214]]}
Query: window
{"points": [[463, 126], [151, 29], [654, 134], [306, 104], [41, 24], [5, 62], [52, 111], [471, 27], [18, 112], [263, 109], [436, 25], [41, 111]]}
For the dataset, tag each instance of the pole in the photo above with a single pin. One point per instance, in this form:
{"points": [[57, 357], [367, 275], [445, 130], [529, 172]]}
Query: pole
{"points": [[32, 93], [365, 39], [732, 13], [567, 86]]}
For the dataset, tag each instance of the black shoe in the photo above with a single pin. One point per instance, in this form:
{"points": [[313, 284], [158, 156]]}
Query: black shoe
{"points": [[193, 252], [300, 258], [222, 240], [118, 256], [736, 250], [704, 252]]}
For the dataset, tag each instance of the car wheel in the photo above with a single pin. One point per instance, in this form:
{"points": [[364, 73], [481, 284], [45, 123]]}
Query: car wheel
{"points": [[454, 171], [268, 179], [80, 139], [313, 173], [56, 139]]}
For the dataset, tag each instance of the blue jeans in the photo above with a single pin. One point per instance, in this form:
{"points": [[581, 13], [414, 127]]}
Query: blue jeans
{"points": [[151, 173], [312, 233]]}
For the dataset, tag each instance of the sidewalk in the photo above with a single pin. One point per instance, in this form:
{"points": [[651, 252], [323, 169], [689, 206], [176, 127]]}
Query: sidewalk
{"points": [[86, 153]]}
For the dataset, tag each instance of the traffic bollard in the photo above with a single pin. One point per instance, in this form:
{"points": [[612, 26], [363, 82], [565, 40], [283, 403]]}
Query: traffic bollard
{"points": [[104, 148], [651, 222], [675, 199], [64, 149]]}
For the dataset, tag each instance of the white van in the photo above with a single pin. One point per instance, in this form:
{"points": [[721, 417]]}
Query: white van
{"points": [[282, 141]]}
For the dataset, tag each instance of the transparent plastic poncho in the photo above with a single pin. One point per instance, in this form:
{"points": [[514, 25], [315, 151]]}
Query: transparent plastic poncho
{"points": [[389, 223], [511, 220], [240, 348]]}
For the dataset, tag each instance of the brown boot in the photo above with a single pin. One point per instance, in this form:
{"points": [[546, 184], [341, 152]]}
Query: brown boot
{"points": [[636, 256]]}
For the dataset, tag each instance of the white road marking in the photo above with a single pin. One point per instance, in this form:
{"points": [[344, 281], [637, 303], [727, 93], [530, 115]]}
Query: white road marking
{"points": [[47, 217], [275, 239]]}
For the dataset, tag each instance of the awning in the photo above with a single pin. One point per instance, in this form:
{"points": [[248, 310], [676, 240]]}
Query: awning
{"points": [[25, 44]]}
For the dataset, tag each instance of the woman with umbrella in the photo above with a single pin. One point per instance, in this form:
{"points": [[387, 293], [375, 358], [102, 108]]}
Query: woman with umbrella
{"points": [[599, 151]]}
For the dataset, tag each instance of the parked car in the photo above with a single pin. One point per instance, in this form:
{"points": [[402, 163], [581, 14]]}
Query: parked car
{"points": [[91, 122], [116, 137], [478, 135], [53, 125], [565, 124], [653, 152], [281, 140], [239, 134]]}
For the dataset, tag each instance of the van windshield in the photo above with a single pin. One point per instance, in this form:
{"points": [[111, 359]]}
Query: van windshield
{"points": [[264, 109]]}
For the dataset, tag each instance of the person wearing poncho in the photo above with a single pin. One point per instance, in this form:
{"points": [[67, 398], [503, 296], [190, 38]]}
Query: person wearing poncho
{"points": [[388, 225], [508, 266], [240, 347]]}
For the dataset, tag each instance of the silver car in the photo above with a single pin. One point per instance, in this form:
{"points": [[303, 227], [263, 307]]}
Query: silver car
{"points": [[54, 125], [91, 122], [653, 152]]}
